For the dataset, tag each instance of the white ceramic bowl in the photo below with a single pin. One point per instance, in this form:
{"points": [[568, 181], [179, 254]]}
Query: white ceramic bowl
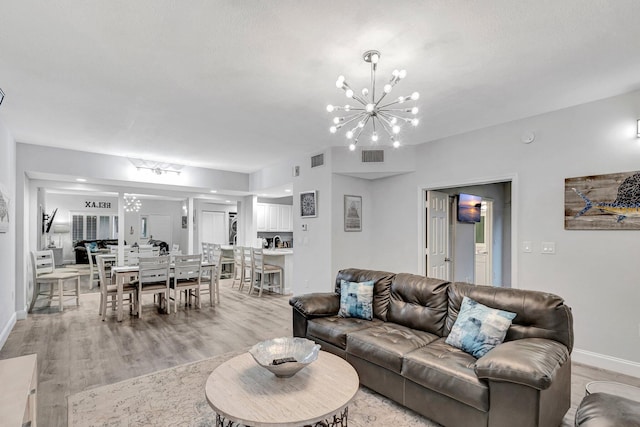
{"points": [[302, 350]]}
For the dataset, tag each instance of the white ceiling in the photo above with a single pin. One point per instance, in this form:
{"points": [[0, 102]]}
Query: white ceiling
{"points": [[238, 85]]}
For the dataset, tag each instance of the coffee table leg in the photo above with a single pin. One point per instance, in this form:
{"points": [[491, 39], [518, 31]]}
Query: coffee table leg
{"points": [[338, 420]]}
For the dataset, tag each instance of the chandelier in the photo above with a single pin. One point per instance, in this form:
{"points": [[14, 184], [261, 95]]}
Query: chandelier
{"points": [[383, 117], [131, 203]]}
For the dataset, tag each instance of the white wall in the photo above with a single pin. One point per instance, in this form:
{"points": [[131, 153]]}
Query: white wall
{"points": [[595, 271], [8, 239], [353, 248]]}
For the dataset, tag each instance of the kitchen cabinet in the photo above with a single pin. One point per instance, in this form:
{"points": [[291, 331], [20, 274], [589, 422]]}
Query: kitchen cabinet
{"points": [[276, 218]]}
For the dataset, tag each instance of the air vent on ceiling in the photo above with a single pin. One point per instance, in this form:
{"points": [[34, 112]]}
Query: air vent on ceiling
{"points": [[317, 160], [372, 156]]}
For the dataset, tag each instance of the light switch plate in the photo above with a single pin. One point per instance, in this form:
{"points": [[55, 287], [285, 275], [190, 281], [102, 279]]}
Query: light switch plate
{"points": [[304, 227], [527, 247], [549, 248]]}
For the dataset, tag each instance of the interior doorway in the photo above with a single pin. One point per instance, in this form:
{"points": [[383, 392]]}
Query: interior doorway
{"points": [[477, 250]]}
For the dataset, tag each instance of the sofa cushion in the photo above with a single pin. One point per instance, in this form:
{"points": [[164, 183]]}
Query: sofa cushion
{"points": [[386, 344], [418, 302], [479, 328], [356, 299], [539, 314], [334, 329], [445, 369], [381, 287]]}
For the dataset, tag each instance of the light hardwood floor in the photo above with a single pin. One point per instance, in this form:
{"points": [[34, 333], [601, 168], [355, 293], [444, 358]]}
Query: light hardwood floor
{"points": [[77, 351]]}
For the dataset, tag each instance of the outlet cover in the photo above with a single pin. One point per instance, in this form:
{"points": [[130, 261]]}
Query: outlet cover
{"points": [[549, 248]]}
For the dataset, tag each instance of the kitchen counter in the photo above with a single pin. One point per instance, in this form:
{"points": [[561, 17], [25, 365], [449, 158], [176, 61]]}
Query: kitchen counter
{"points": [[278, 251], [282, 257]]}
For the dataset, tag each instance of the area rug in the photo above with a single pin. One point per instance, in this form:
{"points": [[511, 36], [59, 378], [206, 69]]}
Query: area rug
{"points": [[175, 397]]}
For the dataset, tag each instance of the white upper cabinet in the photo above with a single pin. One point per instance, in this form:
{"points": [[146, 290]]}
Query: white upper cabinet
{"points": [[273, 217]]}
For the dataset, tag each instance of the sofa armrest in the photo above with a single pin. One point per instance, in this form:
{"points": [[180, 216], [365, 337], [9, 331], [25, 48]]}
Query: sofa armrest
{"points": [[317, 304], [529, 361]]}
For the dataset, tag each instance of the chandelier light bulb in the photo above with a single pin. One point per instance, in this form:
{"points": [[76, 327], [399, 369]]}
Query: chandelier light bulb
{"points": [[349, 93], [340, 82], [347, 107], [330, 108], [369, 108], [414, 110], [396, 144], [387, 88], [396, 129], [402, 74], [415, 122], [395, 73], [415, 96], [352, 147], [400, 99], [365, 92], [374, 137], [375, 58], [336, 120], [333, 129], [361, 124], [349, 134], [393, 120]]}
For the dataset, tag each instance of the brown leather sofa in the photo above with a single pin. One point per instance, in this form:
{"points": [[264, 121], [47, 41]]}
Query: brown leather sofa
{"points": [[402, 354]]}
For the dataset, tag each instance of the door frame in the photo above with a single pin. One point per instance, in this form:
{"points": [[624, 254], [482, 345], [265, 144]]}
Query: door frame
{"points": [[422, 224]]}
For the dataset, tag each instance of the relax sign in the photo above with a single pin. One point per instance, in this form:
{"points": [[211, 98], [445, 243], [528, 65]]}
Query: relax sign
{"points": [[97, 205]]}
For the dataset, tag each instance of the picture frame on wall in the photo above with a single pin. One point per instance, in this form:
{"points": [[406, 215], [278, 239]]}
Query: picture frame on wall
{"points": [[4, 209], [308, 204], [184, 221], [352, 213]]}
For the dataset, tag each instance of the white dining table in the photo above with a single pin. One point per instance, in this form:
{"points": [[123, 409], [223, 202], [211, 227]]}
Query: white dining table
{"points": [[124, 272]]}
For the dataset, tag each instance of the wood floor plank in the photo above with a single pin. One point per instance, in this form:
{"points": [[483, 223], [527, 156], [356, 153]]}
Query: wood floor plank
{"points": [[77, 351]]}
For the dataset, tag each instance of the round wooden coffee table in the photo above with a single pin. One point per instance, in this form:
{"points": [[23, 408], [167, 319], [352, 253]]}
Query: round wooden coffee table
{"points": [[242, 392]]}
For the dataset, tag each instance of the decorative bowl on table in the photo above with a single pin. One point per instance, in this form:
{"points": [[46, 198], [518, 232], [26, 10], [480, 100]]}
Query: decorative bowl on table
{"points": [[285, 356]]}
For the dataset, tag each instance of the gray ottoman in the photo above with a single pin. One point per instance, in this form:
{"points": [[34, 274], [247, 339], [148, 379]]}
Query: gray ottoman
{"points": [[607, 410]]}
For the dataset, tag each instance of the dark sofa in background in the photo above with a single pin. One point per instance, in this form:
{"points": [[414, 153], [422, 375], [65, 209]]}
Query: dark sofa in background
{"points": [[402, 353], [81, 250]]}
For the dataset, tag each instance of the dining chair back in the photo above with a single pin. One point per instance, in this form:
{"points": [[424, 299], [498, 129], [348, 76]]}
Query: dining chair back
{"points": [[153, 278], [43, 262], [186, 277], [238, 266], [247, 267], [262, 271], [93, 271]]}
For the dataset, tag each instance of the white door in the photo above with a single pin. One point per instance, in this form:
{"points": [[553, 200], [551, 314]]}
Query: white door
{"points": [[212, 227], [484, 245], [438, 263]]}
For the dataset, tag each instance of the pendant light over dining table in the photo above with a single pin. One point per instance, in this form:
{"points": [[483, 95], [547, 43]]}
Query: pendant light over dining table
{"points": [[384, 117]]}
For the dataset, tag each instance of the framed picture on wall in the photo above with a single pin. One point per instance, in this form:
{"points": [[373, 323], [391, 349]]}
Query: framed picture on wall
{"points": [[184, 221], [352, 213], [4, 209], [308, 204]]}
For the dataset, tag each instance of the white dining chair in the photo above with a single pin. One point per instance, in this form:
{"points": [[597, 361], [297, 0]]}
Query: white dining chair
{"points": [[247, 268], [93, 271], [153, 278], [186, 277], [210, 282], [261, 270], [109, 289], [44, 273], [237, 265]]}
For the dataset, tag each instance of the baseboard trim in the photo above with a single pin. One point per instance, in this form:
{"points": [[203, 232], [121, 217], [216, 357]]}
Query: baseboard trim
{"points": [[7, 330], [603, 361]]}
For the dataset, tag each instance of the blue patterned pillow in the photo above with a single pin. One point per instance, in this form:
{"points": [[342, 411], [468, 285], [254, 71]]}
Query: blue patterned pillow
{"points": [[356, 299], [479, 328]]}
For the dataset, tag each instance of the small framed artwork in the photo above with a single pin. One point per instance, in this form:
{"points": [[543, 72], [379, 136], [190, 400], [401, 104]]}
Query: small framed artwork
{"points": [[308, 204], [184, 221], [352, 213], [4, 209]]}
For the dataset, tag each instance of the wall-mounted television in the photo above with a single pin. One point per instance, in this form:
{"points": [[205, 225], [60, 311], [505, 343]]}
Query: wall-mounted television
{"points": [[469, 208]]}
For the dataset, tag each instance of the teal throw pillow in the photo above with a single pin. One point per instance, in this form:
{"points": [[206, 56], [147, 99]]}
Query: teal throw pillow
{"points": [[93, 247], [356, 299], [479, 328]]}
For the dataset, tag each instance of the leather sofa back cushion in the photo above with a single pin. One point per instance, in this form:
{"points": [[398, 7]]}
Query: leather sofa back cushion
{"points": [[418, 302], [538, 314], [381, 287]]}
